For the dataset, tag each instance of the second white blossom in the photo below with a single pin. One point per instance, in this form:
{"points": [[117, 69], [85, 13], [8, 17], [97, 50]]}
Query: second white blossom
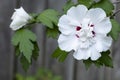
{"points": [[20, 18]]}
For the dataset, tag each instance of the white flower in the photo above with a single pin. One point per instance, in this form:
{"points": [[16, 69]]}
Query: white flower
{"points": [[20, 18], [85, 31]]}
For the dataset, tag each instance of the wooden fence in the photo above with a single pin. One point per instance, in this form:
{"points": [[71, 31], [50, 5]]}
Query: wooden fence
{"points": [[70, 69]]}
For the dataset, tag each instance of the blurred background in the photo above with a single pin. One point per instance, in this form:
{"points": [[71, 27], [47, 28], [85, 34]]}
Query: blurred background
{"points": [[47, 68]]}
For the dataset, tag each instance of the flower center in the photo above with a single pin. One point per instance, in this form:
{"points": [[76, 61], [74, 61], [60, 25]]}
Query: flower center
{"points": [[85, 34]]}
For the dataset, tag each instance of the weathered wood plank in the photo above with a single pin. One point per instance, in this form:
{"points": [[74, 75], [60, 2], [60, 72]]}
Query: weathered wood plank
{"points": [[70, 69], [116, 51], [6, 55]]}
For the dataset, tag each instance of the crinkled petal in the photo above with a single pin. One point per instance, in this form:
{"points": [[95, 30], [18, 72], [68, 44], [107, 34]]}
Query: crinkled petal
{"points": [[103, 27], [68, 43], [96, 15], [82, 54], [94, 53], [103, 43], [78, 12], [65, 25]]}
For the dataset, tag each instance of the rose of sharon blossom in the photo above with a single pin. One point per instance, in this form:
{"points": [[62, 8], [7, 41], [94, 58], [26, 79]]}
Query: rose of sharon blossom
{"points": [[85, 31], [20, 18]]}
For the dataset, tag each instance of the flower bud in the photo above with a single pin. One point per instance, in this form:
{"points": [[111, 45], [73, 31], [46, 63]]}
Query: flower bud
{"points": [[20, 18]]}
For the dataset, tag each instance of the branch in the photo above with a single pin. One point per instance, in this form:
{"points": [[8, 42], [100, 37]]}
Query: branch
{"points": [[115, 13]]}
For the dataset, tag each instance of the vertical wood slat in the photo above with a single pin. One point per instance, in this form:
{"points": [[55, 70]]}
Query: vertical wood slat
{"points": [[6, 54], [47, 46], [116, 51]]}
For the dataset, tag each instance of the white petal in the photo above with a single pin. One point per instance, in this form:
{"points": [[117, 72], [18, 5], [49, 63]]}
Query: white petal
{"points": [[68, 43], [81, 54], [94, 53], [20, 18], [16, 27], [103, 43], [14, 15], [18, 23], [78, 12], [21, 12], [103, 27], [96, 15], [64, 25]]}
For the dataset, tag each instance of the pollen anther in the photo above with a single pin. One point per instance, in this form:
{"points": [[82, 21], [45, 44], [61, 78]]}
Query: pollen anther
{"points": [[78, 28]]}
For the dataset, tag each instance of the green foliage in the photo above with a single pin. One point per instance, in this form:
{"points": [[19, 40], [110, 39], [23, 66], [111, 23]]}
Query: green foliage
{"points": [[45, 74], [105, 60], [48, 17], [87, 63], [24, 38], [35, 51], [26, 46], [87, 3], [60, 55], [33, 20], [53, 32], [19, 77], [42, 74], [30, 78], [24, 62], [115, 29], [68, 5], [106, 5]]}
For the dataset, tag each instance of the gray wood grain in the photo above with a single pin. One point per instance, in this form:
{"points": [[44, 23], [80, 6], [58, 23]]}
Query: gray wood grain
{"points": [[70, 69], [6, 55]]}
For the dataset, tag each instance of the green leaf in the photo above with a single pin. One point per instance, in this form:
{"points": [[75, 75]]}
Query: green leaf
{"points": [[35, 51], [87, 63], [24, 38], [17, 51], [25, 63], [68, 5], [63, 56], [53, 32], [106, 5], [87, 3], [59, 54], [105, 59], [115, 29], [48, 18], [98, 63]]}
